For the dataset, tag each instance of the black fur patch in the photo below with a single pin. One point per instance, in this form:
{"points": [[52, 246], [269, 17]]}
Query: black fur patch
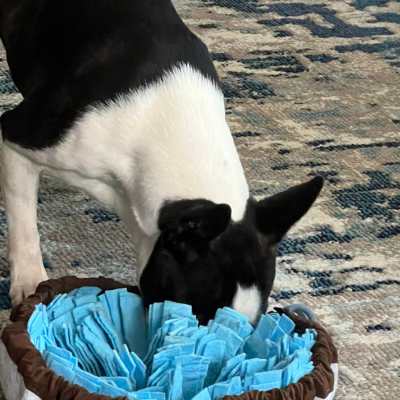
{"points": [[205, 272], [67, 54]]}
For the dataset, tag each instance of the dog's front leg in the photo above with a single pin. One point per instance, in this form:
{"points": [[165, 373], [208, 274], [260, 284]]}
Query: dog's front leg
{"points": [[20, 183]]}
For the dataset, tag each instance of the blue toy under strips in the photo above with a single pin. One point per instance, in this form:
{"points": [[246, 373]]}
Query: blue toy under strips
{"points": [[106, 343]]}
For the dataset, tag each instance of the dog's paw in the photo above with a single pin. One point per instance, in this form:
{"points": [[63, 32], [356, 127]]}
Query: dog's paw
{"points": [[26, 284]]}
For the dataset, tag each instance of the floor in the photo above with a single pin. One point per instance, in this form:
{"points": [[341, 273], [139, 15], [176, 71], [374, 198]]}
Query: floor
{"points": [[312, 88]]}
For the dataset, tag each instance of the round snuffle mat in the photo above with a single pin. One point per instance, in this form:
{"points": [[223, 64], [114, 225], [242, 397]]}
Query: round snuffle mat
{"points": [[33, 360]]}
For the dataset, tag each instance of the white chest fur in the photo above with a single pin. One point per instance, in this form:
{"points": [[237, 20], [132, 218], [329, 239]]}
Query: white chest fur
{"points": [[164, 142]]}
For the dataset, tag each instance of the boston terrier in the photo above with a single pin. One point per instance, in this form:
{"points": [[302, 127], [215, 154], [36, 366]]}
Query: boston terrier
{"points": [[121, 100]]}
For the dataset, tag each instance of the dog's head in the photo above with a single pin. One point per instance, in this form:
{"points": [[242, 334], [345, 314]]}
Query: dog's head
{"points": [[204, 259]]}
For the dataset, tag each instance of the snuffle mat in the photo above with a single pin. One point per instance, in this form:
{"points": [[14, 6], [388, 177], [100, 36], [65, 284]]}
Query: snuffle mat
{"points": [[91, 338]]}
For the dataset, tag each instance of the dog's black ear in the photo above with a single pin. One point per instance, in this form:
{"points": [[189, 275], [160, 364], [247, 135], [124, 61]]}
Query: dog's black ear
{"points": [[275, 215], [193, 223]]}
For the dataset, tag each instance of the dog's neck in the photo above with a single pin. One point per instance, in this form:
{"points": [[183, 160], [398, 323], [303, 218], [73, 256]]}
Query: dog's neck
{"points": [[183, 150]]}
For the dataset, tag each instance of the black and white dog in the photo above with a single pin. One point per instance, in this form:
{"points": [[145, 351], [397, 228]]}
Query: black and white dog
{"points": [[122, 100]]}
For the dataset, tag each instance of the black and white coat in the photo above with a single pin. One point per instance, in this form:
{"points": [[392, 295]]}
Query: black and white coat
{"points": [[122, 100]]}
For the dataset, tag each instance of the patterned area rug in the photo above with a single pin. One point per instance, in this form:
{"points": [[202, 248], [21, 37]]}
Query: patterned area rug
{"points": [[312, 88]]}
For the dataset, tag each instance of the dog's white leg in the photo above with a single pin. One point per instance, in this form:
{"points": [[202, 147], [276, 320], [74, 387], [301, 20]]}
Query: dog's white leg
{"points": [[20, 184]]}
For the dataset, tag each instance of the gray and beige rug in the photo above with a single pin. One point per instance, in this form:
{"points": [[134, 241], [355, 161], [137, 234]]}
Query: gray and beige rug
{"points": [[312, 87]]}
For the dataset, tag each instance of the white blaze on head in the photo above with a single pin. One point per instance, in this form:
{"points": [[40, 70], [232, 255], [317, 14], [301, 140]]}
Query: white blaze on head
{"points": [[247, 301]]}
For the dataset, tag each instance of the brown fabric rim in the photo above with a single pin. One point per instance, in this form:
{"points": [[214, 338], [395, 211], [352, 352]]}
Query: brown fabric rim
{"points": [[48, 386]]}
